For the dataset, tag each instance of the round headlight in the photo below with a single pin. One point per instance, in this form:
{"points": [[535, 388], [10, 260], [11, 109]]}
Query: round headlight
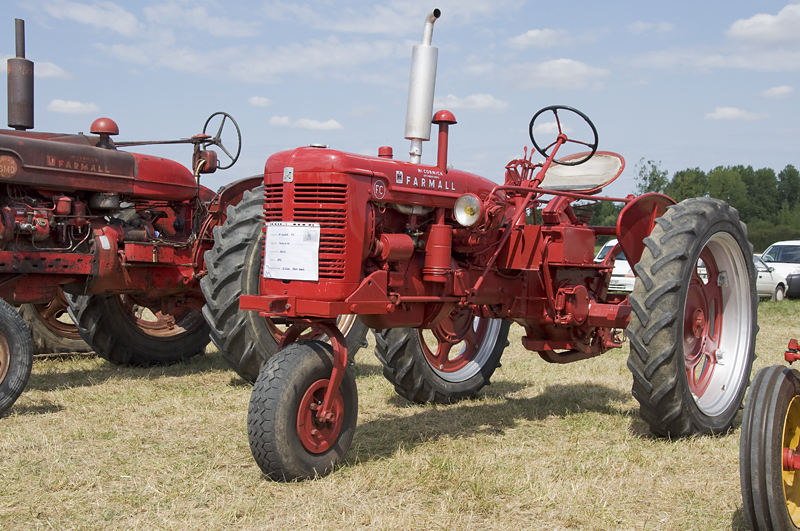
{"points": [[468, 210]]}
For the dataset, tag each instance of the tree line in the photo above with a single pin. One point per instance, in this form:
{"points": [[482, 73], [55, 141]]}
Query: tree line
{"points": [[767, 202]]}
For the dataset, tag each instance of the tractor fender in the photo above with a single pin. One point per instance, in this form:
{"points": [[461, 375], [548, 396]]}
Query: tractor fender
{"points": [[231, 194], [636, 222]]}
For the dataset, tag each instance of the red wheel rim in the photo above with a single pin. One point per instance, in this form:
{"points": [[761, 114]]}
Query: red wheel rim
{"points": [[458, 327], [316, 435], [50, 315], [156, 323], [702, 324]]}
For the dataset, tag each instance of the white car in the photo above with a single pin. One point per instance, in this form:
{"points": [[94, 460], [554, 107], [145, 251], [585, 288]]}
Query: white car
{"points": [[769, 284], [622, 278], [784, 257]]}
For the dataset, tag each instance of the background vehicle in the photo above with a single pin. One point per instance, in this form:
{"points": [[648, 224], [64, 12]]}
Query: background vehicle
{"points": [[769, 448], [124, 235], [768, 283], [622, 277], [784, 257], [440, 262]]}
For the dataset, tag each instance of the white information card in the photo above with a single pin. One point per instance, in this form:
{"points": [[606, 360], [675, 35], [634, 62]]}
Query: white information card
{"points": [[292, 251]]}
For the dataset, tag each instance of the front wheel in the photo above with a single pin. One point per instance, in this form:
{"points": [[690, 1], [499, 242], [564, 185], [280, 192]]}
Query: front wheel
{"points": [[127, 333], [52, 329], [452, 361], [693, 325], [287, 440], [769, 457], [16, 356], [778, 294]]}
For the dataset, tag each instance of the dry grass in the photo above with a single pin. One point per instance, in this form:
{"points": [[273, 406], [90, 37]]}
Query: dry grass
{"points": [[94, 446]]}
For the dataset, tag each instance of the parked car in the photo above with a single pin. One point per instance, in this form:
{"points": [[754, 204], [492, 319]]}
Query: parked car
{"points": [[784, 257], [622, 278], [769, 284]]}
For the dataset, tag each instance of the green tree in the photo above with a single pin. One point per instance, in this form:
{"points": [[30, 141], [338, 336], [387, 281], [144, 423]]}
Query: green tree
{"points": [[650, 177], [762, 191], [691, 182], [727, 184], [789, 185]]}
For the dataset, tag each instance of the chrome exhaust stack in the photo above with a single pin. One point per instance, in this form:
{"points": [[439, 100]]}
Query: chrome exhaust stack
{"points": [[421, 87], [20, 84]]}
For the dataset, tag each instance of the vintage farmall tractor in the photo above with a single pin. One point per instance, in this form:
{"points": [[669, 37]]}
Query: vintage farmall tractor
{"points": [[124, 235], [440, 262], [769, 448]]}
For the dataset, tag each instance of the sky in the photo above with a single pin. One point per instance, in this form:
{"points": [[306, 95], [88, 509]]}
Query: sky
{"points": [[685, 84]]}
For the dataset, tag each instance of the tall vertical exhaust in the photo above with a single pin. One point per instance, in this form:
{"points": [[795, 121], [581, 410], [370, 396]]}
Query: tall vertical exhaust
{"points": [[20, 84], [421, 87]]}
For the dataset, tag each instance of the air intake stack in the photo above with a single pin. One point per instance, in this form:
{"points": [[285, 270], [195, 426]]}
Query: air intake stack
{"points": [[20, 84], [421, 88]]}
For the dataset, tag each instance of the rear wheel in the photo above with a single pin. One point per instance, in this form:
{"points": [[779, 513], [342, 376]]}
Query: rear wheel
{"points": [[16, 356], [287, 439], [693, 325], [452, 361], [52, 329], [125, 332], [768, 451], [245, 339]]}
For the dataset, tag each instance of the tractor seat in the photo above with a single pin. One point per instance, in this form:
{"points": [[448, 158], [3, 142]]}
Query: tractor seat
{"points": [[589, 177]]}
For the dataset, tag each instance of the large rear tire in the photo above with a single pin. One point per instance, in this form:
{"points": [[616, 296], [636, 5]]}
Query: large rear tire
{"points": [[16, 356], [693, 325], [245, 339], [453, 361], [52, 329], [126, 333], [769, 440], [287, 439]]}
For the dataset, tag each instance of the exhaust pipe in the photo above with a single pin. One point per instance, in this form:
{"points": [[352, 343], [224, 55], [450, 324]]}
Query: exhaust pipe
{"points": [[421, 88], [20, 84]]}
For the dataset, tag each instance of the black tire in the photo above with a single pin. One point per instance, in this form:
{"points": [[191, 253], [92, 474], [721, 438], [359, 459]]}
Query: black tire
{"points": [[276, 413], [16, 356], [779, 294], [52, 330], [402, 351], [677, 327], [771, 425], [245, 339], [125, 333]]}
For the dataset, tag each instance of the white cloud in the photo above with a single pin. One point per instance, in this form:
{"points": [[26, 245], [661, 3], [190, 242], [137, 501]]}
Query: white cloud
{"points": [[639, 27], [100, 14], [259, 101], [72, 107], [551, 128], [778, 92], [763, 28], [305, 123], [774, 60], [544, 38], [732, 113], [174, 14], [559, 73], [479, 102], [43, 69]]}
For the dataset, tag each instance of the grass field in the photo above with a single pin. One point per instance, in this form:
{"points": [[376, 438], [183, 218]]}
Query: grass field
{"points": [[93, 446]]}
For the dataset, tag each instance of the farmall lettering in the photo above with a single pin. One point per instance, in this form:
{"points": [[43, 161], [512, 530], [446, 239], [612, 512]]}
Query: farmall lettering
{"points": [[78, 163], [426, 178]]}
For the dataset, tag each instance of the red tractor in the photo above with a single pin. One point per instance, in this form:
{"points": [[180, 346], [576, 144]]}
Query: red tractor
{"points": [[124, 235], [440, 262], [769, 448]]}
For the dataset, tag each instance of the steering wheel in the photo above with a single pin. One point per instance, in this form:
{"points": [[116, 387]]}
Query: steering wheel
{"points": [[216, 140], [555, 109]]}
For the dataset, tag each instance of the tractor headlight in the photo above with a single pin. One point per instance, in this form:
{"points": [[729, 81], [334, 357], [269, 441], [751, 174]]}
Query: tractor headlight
{"points": [[468, 210]]}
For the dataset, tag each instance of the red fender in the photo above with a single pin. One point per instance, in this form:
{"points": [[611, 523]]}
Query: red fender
{"points": [[636, 222]]}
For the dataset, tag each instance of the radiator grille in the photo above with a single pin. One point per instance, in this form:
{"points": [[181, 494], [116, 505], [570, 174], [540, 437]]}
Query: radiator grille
{"points": [[325, 204]]}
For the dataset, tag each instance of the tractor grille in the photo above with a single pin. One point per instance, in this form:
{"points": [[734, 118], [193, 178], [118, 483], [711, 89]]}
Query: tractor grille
{"points": [[273, 202], [325, 204]]}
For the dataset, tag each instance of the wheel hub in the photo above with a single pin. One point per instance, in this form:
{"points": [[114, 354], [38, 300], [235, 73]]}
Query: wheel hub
{"points": [[318, 434], [5, 358], [790, 443]]}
